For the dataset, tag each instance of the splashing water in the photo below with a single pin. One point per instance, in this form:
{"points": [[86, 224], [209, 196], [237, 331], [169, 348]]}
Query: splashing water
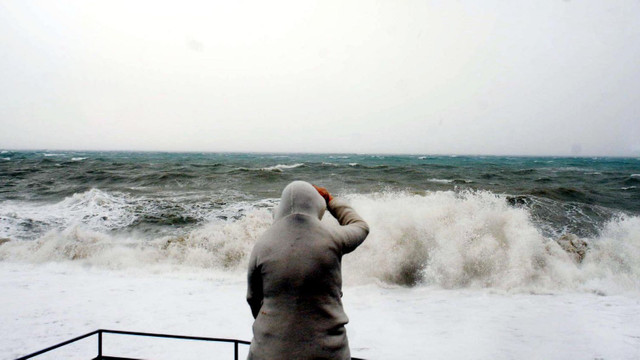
{"points": [[445, 238]]}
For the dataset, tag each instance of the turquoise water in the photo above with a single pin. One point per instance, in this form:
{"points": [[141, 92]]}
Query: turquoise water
{"points": [[464, 221], [170, 191]]}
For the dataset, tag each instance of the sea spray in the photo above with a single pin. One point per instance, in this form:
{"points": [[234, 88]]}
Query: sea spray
{"points": [[104, 211], [222, 245], [613, 263], [443, 238], [449, 239]]}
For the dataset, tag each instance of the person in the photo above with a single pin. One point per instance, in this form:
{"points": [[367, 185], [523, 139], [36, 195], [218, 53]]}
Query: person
{"points": [[295, 279]]}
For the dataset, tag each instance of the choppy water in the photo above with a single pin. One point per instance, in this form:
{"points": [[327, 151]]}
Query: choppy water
{"points": [[206, 209]]}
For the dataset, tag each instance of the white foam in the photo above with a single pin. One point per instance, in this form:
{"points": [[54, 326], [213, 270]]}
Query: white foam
{"points": [[468, 239], [47, 304], [281, 167], [78, 158], [94, 209], [440, 181], [102, 211], [615, 254], [218, 245], [445, 239]]}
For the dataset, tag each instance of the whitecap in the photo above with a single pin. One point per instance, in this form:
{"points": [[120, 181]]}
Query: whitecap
{"points": [[78, 158], [52, 154], [281, 167], [470, 239], [440, 181], [475, 239]]}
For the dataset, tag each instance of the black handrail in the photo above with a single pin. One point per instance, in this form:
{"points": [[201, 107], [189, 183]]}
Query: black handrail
{"points": [[99, 332], [60, 345], [185, 337]]}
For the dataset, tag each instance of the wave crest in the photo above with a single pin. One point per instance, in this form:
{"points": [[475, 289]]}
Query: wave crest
{"points": [[445, 238], [465, 239], [281, 167]]}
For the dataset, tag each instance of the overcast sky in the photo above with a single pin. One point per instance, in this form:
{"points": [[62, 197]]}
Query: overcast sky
{"points": [[427, 77]]}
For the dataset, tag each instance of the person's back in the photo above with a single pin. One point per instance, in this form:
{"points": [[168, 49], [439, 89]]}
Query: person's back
{"points": [[295, 279]]}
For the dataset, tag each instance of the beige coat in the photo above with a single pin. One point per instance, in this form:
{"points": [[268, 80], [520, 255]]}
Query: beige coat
{"points": [[295, 279]]}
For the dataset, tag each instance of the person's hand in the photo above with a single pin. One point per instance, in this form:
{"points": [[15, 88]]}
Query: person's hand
{"points": [[325, 194]]}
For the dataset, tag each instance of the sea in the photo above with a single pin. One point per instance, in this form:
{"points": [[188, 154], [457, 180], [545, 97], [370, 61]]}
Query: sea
{"points": [[463, 259], [451, 221]]}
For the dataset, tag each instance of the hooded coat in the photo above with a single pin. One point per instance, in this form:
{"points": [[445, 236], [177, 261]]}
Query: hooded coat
{"points": [[295, 279]]}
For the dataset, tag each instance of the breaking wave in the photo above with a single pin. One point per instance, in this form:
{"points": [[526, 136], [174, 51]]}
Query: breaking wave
{"points": [[281, 167], [106, 212], [468, 239], [475, 239]]}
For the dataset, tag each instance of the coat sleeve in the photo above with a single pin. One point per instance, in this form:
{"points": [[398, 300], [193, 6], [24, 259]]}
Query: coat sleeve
{"points": [[353, 229], [254, 286]]}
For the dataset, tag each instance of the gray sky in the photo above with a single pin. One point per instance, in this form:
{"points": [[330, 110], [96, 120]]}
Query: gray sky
{"points": [[427, 77]]}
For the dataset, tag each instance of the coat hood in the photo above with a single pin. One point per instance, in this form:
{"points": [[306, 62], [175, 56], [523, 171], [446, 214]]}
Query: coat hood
{"points": [[300, 197]]}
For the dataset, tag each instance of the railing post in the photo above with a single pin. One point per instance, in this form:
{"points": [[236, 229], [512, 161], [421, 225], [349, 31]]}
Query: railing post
{"points": [[235, 350], [100, 344]]}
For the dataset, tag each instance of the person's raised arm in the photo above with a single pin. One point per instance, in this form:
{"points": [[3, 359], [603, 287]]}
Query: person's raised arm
{"points": [[353, 228]]}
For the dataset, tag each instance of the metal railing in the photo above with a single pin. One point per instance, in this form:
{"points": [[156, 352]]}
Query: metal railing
{"points": [[99, 333]]}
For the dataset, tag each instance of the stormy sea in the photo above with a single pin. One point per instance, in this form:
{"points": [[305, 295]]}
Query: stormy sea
{"points": [[486, 257]]}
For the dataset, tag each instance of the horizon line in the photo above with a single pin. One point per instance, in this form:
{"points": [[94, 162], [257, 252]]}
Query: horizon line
{"points": [[321, 153]]}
